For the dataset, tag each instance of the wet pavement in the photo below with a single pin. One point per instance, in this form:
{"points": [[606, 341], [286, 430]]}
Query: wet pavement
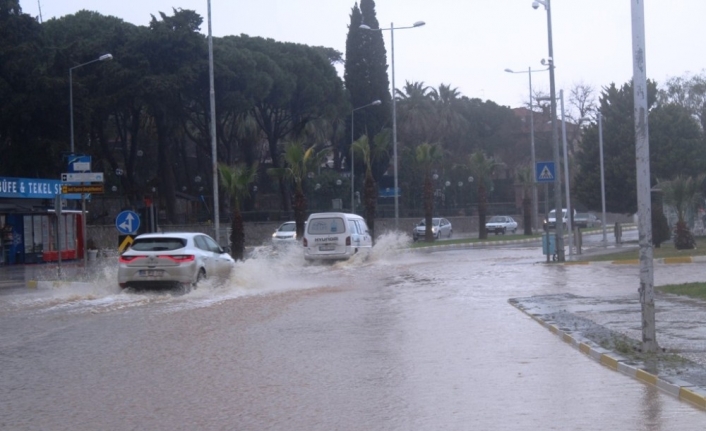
{"points": [[608, 330], [404, 341]]}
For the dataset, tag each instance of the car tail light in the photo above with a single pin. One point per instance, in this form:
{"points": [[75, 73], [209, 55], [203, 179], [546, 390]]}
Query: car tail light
{"points": [[305, 243], [348, 241], [181, 258], [128, 259]]}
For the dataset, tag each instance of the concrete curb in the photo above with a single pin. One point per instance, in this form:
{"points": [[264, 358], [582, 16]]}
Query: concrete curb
{"points": [[473, 244], [682, 390], [661, 261]]}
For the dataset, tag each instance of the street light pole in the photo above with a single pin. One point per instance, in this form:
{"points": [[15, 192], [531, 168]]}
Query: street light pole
{"points": [[569, 213], [214, 142], [394, 107], [103, 57], [600, 150], [535, 201], [373, 103], [555, 140]]}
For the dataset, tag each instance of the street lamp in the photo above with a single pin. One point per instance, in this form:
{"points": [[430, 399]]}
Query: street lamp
{"points": [[566, 177], [552, 94], [392, 29], [600, 151], [103, 57], [535, 203], [373, 103], [214, 144]]}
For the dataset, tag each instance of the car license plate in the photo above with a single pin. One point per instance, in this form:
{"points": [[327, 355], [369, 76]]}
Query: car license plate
{"points": [[151, 272], [327, 247]]}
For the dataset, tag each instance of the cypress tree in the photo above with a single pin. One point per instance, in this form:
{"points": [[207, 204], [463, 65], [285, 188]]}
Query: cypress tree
{"points": [[365, 74]]}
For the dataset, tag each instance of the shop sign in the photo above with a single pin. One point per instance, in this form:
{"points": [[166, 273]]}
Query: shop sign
{"points": [[32, 188]]}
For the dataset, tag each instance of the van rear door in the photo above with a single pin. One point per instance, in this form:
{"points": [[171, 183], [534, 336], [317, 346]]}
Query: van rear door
{"points": [[328, 235]]}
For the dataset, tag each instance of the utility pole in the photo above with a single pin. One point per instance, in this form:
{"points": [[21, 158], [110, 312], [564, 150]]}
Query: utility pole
{"points": [[642, 160]]}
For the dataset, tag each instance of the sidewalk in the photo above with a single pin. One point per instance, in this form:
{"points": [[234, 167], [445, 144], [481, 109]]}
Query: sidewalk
{"points": [[25, 276], [608, 330]]}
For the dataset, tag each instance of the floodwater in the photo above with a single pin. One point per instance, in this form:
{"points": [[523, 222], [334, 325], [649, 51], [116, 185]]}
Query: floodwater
{"points": [[398, 341]]}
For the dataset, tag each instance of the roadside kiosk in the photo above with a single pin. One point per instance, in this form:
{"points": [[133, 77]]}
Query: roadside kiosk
{"points": [[29, 227]]}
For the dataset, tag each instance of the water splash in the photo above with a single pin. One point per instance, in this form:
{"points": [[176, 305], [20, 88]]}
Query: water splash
{"points": [[267, 269]]}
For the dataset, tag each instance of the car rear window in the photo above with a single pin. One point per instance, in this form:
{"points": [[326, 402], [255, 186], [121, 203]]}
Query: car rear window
{"points": [[323, 226], [158, 244]]}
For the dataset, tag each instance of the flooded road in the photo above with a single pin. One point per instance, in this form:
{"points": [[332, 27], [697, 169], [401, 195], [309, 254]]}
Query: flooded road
{"points": [[401, 341]]}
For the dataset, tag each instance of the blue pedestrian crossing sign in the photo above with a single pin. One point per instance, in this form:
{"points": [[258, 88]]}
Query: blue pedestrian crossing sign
{"points": [[545, 172], [127, 222]]}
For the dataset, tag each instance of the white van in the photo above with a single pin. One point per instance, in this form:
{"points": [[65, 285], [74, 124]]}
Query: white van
{"points": [[335, 236]]}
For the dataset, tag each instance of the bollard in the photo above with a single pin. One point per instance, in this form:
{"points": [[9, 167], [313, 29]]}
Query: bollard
{"points": [[92, 255], [618, 232]]}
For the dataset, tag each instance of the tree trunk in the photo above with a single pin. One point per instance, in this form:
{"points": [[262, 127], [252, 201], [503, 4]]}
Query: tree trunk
{"points": [[370, 196], [165, 170], [527, 213], [683, 238], [428, 208], [237, 235], [482, 211], [299, 211]]}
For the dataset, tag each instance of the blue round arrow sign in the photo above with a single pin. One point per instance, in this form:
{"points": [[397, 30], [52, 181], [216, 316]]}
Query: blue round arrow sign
{"points": [[127, 222]]}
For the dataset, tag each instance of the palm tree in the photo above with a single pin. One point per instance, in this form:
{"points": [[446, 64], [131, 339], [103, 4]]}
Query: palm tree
{"points": [[683, 193], [428, 156], [415, 112], [449, 120], [236, 182], [370, 154], [526, 181], [297, 162], [483, 168]]}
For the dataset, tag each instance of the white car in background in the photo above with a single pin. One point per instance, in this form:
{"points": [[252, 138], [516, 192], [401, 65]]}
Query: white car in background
{"points": [[177, 259], [287, 232], [501, 224], [440, 227], [550, 221]]}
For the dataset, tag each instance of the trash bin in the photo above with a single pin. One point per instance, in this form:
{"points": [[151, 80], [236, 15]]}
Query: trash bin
{"points": [[92, 255], [549, 244]]}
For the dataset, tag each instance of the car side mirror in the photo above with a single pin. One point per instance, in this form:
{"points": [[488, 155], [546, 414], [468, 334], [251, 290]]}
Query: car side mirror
{"points": [[226, 249]]}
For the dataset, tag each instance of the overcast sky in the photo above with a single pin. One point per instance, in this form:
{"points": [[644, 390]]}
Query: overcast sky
{"points": [[465, 43]]}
